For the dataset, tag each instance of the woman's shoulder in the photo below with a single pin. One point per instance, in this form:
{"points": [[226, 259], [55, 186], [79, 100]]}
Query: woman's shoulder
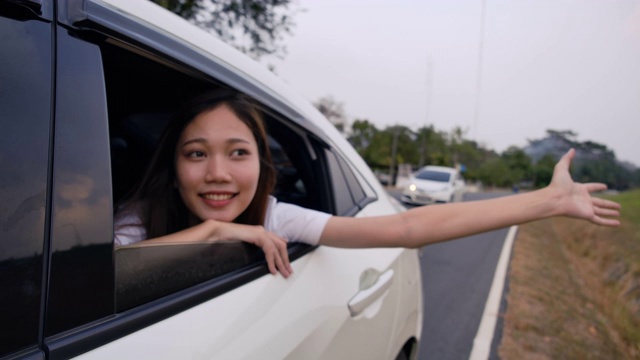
{"points": [[295, 223]]}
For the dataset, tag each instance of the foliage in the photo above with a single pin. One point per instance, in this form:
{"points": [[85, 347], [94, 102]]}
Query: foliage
{"points": [[385, 150], [255, 27], [543, 170], [333, 110]]}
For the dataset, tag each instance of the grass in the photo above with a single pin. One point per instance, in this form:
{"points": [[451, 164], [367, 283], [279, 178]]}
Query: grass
{"points": [[574, 290]]}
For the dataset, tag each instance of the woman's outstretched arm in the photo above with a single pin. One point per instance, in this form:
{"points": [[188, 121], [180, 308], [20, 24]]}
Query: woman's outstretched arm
{"points": [[430, 224]]}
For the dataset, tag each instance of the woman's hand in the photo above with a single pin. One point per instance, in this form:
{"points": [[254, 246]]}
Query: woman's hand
{"points": [[576, 200], [273, 246]]}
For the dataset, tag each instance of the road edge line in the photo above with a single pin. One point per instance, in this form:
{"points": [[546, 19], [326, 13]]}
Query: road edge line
{"points": [[482, 342]]}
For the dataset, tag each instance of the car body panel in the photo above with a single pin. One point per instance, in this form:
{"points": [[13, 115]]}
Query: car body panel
{"points": [[265, 318]]}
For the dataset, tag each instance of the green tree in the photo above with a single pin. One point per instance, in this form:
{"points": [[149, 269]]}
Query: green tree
{"points": [[543, 170], [362, 134], [518, 164], [255, 27], [493, 172]]}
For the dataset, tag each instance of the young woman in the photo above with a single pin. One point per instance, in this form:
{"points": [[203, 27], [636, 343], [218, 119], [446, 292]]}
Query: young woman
{"points": [[211, 177]]}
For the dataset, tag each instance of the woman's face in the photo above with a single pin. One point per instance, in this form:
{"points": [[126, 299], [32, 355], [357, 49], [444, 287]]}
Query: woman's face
{"points": [[217, 165]]}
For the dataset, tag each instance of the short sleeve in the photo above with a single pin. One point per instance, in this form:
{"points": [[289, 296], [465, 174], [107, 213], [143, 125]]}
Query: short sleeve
{"points": [[128, 229], [295, 223]]}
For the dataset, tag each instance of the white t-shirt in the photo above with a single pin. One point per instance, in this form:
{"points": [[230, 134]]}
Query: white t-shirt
{"points": [[292, 222]]}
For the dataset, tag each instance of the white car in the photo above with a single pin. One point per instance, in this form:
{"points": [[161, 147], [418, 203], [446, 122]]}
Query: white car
{"points": [[86, 87], [434, 184]]}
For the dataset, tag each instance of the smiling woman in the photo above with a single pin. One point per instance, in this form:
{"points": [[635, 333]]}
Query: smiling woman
{"points": [[214, 169]]}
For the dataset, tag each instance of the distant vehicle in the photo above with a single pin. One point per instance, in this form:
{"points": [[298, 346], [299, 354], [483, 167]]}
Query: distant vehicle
{"points": [[434, 184]]}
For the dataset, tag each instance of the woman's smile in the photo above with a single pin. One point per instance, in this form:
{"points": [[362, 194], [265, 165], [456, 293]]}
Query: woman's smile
{"points": [[217, 199]]}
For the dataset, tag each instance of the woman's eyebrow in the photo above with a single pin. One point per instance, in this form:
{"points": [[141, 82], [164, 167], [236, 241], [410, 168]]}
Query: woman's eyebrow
{"points": [[238, 140], [205, 141], [196, 140]]}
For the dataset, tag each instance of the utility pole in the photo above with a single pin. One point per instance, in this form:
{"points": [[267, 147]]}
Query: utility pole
{"points": [[423, 140], [394, 150], [476, 113]]}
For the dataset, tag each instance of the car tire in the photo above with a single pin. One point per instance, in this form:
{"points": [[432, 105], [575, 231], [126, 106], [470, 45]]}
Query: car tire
{"points": [[402, 355]]}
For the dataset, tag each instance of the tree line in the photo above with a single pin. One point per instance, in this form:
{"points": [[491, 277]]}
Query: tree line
{"points": [[531, 166]]}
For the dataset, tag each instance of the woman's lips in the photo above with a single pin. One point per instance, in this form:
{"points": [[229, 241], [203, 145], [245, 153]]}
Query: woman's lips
{"points": [[217, 199]]}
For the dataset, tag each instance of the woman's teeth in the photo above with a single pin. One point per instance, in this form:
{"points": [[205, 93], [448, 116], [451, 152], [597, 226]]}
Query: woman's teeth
{"points": [[217, 197]]}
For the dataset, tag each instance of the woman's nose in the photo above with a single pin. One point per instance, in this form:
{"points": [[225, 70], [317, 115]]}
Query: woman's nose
{"points": [[217, 171]]}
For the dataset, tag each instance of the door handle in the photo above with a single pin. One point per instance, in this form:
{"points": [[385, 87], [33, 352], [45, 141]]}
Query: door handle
{"points": [[367, 296]]}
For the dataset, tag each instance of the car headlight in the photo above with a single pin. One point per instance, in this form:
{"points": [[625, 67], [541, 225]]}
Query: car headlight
{"points": [[412, 187]]}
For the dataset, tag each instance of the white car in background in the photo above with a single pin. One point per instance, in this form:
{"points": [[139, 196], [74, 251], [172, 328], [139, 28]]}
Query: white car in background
{"points": [[87, 86], [434, 184]]}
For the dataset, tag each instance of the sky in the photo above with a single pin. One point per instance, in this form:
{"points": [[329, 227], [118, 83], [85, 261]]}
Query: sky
{"points": [[503, 71]]}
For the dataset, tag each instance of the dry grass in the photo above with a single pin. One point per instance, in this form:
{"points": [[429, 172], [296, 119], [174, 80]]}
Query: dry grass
{"points": [[574, 290]]}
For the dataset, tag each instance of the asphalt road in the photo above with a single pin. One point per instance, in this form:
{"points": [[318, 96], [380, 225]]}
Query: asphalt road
{"points": [[456, 277]]}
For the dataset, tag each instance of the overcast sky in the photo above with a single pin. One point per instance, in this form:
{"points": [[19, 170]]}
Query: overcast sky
{"points": [[545, 64]]}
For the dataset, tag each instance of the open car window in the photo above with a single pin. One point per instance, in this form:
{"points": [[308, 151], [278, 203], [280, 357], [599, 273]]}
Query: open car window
{"points": [[142, 94]]}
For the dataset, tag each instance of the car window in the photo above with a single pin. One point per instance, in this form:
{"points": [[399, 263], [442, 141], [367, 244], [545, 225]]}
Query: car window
{"points": [[346, 204], [433, 175], [142, 93], [25, 100], [357, 192], [351, 192]]}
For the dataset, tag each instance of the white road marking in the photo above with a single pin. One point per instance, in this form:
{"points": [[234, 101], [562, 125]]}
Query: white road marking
{"points": [[482, 342]]}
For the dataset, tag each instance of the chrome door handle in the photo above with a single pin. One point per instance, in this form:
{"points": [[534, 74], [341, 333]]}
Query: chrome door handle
{"points": [[366, 297]]}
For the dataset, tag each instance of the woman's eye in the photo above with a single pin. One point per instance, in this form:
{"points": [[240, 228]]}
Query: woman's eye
{"points": [[239, 152], [195, 154]]}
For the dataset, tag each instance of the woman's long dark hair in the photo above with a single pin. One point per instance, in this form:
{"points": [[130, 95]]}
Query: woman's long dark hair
{"points": [[156, 197]]}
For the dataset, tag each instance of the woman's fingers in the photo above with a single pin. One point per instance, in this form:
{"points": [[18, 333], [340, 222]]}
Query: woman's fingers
{"points": [[273, 246], [595, 187], [606, 204], [565, 160], [277, 256], [605, 221], [281, 245]]}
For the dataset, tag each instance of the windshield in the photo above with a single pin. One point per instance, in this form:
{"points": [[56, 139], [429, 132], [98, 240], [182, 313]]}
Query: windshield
{"points": [[433, 175]]}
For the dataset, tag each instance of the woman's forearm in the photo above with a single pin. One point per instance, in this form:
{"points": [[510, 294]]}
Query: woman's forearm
{"points": [[424, 225], [431, 224]]}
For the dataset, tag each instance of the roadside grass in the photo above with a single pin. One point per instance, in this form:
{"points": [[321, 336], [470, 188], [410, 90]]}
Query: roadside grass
{"points": [[574, 289]]}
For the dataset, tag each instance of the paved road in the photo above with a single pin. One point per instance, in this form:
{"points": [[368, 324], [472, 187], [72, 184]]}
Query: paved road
{"points": [[456, 277]]}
